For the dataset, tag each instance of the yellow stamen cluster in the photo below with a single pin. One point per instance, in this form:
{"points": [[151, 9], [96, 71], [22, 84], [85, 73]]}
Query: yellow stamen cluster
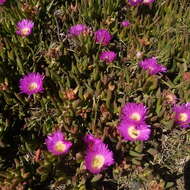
{"points": [[60, 146], [25, 31], [133, 133], [98, 161], [183, 117], [33, 86], [136, 116]]}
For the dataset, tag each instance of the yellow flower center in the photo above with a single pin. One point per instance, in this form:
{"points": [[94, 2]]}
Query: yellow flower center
{"points": [[133, 133], [33, 86], [98, 161], [25, 31], [60, 146], [183, 117], [136, 116]]}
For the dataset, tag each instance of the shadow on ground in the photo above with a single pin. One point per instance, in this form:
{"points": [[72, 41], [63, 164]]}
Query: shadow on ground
{"points": [[187, 175]]}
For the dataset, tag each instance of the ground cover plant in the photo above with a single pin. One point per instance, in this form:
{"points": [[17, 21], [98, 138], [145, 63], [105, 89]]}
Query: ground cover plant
{"points": [[94, 94]]}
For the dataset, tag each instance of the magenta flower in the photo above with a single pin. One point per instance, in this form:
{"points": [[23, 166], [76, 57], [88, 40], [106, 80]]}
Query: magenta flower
{"points": [[133, 132], [77, 29], [56, 143], [152, 66], [24, 27], [146, 2], [2, 2], [182, 114], [108, 56], [90, 140], [102, 36], [99, 158], [134, 112], [31, 83], [125, 23], [135, 2]]}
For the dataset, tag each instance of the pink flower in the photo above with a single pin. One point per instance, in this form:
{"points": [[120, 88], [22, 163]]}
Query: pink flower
{"points": [[2, 2], [31, 83], [90, 139], [24, 27], [134, 112], [125, 23], [102, 36], [56, 143], [130, 131], [152, 66], [132, 124], [108, 56], [182, 114], [77, 29], [98, 158]]}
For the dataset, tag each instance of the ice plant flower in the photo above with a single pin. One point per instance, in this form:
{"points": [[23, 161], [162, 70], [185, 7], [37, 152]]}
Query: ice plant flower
{"points": [[108, 56], [90, 139], [24, 27], [135, 2], [125, 23], [134, 112], [2, 2], [152, 66], [132, 132], [31, 83], [182, 114], [102, 36], [99, 158], [77, 29], [56, 143], [146, 2]]}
